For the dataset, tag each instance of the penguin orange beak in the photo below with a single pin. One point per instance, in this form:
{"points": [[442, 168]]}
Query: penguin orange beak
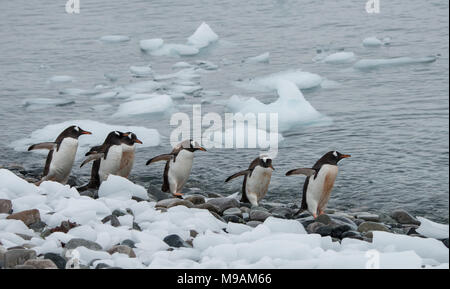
{"points": [[202, 149], [271, 167], [345, 156], [137, 141], [86, 132]]}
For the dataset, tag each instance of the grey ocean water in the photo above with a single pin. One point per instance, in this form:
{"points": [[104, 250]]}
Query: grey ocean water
{"points": [[393, 120]]}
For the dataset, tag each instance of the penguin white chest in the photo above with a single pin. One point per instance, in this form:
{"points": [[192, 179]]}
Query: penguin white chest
{"points": [[62, 160], [258, 184], [319, 188], [180, 169], [111, 164], [127, 160]]}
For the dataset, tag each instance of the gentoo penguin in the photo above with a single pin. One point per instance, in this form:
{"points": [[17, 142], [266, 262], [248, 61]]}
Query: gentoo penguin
{"points": [[256, 180], [61, 154], [107, 158], [319, 182], [129, 142], [178, 166]]}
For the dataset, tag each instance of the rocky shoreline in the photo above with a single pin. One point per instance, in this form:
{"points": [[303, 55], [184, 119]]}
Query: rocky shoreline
{"points": [[336, 224]]}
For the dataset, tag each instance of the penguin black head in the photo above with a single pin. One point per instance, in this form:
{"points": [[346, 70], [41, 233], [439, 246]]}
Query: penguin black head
{"points": [[130, 139], [265, 162], [115, 138], [74, 132], [333, 157], [191, 146]]}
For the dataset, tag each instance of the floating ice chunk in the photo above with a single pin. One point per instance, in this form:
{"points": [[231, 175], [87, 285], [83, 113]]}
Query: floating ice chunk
{"points": [[141, 70], [143, 86], [78, 91], [175, 50], [184, 74], [376, 63], [262, 58], [156, 105], [431, 229], [114, 38], [151, 44], [38, 103], [372, 42], [303, 80], [203, 36], [149, 137], [291, 106], [118, 185], [14, 186], [181, 64], [61, 79], [340, 58], [425, 248], [106, 95]]}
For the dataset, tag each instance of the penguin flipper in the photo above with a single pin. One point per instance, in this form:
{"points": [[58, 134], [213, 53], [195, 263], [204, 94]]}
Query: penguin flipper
{"points": [[303, 171], [43, 146], [164, 157], [242, 173], [91, 157]]}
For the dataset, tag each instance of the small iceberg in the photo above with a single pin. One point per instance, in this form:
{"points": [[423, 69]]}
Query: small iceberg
{"points": [[366, 64], [143, 86], [141, 71], [157, 104], [262, 58], [431, 229], [303, 80], [39, 103], [149, 137], [340, 58], [372, 42], [78, 91], [201, 38], [291, 106], [114, 38], [60, 79]]}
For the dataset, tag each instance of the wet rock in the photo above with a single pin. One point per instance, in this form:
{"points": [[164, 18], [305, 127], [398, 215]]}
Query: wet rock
{"points": [[445, 241], [372, 226], [246, 205], [233, 211], [324, 219], [5, 206], [59, 261], [175, 241], [312, 228], [344, 221], [118, 213], [136, 227], [358, 221], [302, 215], [193, 233], [244, 209], [324, 230], [41, 264], [233, 219], [218, 217], [224, 203], [113, 219], [339, 229], [28, 217], [78, 242], [403, 217], [352, 235], [38, 226], [122, 249], [253, 224], [214, 195], [246, 216], [208, 207], [368, 217], [282, 212], [410, 230], [12, 258], [386, 219], [306, 221], [258, 215], [102, 266], [259, 208], [158, 195], [169, 203], [195, 199], [129, 243]]}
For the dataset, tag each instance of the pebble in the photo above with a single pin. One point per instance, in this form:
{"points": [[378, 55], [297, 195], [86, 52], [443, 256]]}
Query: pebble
{"points": [[445, 241], [214, 195], [59, 261], [403, 217], [258, 215], [368, 217], [102, 266], [233, 211], [28, 217], [38, 226], [129, 243], [136, 227], [175, 241], [169, 203], [209, 207], [253, 224], [5, 206], [16, 257], [41, 264], [352, 235], [122, 249], [372, 226], [282, 212], [78, 242], [118, 213], [195, 199], [224, 203], [158, 195], [112, 219], [233, 219]]}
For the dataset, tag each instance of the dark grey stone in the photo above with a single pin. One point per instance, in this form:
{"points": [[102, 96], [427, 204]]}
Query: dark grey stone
{"points": [[102, 266], [195, 199], [224, 203], [59, 261], [78, 242], [259, 215], [129, 243], [282, 212], [38, 226], [403, 217], [136, 226], [233, 219], [352, 235], [175, 241], [233, 211], [113, 219], [16, 257]]}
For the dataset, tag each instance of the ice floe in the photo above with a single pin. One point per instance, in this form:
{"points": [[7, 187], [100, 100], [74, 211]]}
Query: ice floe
{"points": [[397, 61], [303, 80], [341, 57], [203, 36], [372, 41], [431, 229], [38, 103], [141, 71], [149, 137], [157, 104], [291, 106], [114, 38], [61, 79], [262, 58]]}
